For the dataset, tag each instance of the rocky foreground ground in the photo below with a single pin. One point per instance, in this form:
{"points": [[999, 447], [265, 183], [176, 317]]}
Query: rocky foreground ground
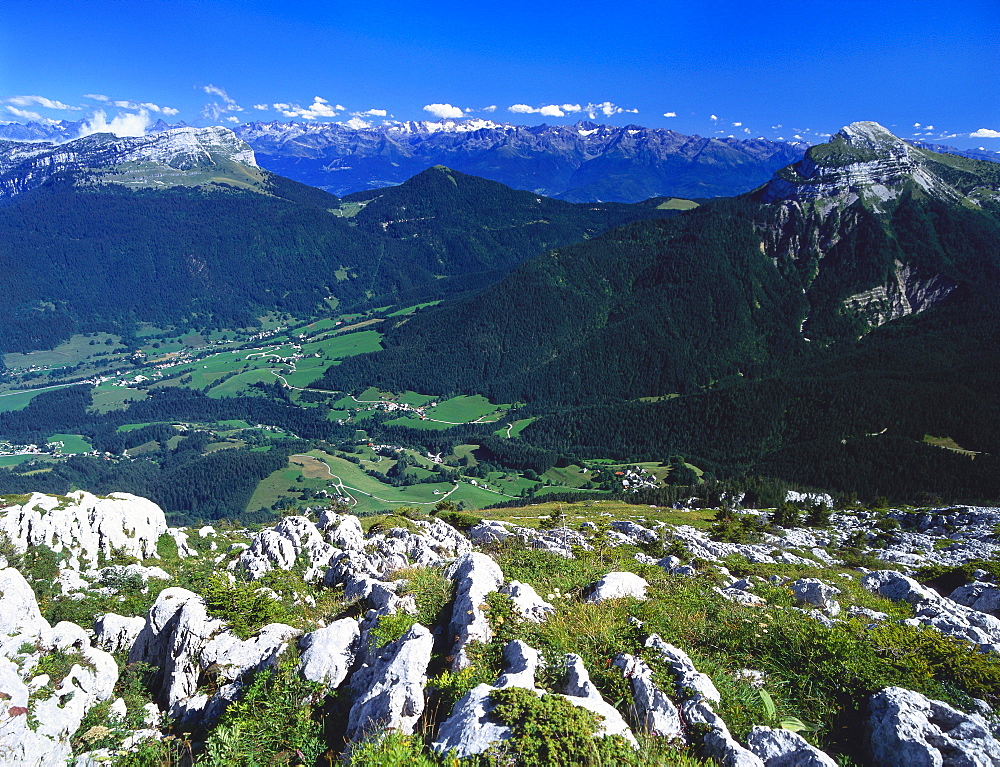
{"points": [[587, 639]]}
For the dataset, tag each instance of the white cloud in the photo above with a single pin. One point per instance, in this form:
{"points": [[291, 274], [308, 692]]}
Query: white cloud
{"points": [[776, 127], [713, 118], [96, 96], [319, 108], [916, 125], [25, 114], [38, 101], [797, 135], [985, 133], [928, 127], [144, 105], [356, 123], [746, 130], [371, 113], [737, 125], [126, 124], [215, 109], [444, 111], [490, 108], [554, 110], [231, 119], [261, 107], [670, 114]]}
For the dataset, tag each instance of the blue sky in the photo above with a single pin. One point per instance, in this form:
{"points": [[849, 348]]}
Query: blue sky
{"points": [[750, 68]]}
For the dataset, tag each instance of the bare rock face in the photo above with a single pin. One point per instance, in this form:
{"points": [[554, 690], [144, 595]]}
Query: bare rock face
{"points": [[531, 606], [617, 586], [78, 677], [329, 653], [718, 742], [655, 713], [931, 609], [115, 633], [469, 729], [86, 525], [908, 729], [580, 691], [984, 597], [185, 643], [281, 547], [812, 591], [475, 576], [783, 748], [689, 679], [389, 692]]}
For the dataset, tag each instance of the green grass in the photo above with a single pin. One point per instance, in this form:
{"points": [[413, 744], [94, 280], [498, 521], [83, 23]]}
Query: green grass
{"points": [[677, 203], [412, 309], [457, 410], [19, 400], [107, 398], [72, 443], [14, 460], [75, 350]]}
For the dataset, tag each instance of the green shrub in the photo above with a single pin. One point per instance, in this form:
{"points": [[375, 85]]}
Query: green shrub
{"points": [[393, 749], [552, 732], [244, 606], [460, 520], [272, 724]]}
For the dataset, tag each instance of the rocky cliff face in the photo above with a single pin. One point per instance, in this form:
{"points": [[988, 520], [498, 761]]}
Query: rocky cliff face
{"points": [[832, 224], [180, 156]]}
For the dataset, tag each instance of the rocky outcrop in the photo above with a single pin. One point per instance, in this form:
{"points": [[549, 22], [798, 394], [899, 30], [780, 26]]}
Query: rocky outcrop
{"points": [[690, 681], [812, 591], [984, 597], [527, 602], [115, 633], [51, 678], [282, 547], [329, 653], [86, 525], [580, 691], [931, 609], [654, 711], [475, 576], [617, 586], [188, 647], [560, 540], [910, 730], [784, 748], [389, 691], [469, 730]]}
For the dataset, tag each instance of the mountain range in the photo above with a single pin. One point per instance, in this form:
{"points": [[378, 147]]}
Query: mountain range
{"points": [[580, 163], [188, 215], [835, 302], [827, 313]]}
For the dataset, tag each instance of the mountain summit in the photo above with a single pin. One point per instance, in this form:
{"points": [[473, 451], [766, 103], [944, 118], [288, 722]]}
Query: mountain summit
{"points": [[175, 157], [865, 161]]}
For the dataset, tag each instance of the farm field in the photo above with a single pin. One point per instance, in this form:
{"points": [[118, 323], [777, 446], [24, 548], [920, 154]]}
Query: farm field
{"points": [[72, 443]]}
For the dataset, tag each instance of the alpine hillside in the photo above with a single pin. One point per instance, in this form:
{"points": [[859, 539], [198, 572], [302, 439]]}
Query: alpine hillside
{"points": [[835, 303]]}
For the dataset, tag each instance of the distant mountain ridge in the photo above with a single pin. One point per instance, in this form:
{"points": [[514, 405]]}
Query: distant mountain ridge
{"points": [[579, 163]]}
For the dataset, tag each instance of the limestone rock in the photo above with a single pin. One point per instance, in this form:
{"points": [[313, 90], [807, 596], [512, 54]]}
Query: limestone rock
{"points": [[469, 729], [475, 576], [531, 606], [389, 693], [931, 609], [688, 677], [655, 713], [984, 597], [719, 744], [908, 729], [115, 633], [617, 586], [329, 653], [18, 609], [86, 525], [580, 691], [814, 592], [783, 748], [282, 546]]}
